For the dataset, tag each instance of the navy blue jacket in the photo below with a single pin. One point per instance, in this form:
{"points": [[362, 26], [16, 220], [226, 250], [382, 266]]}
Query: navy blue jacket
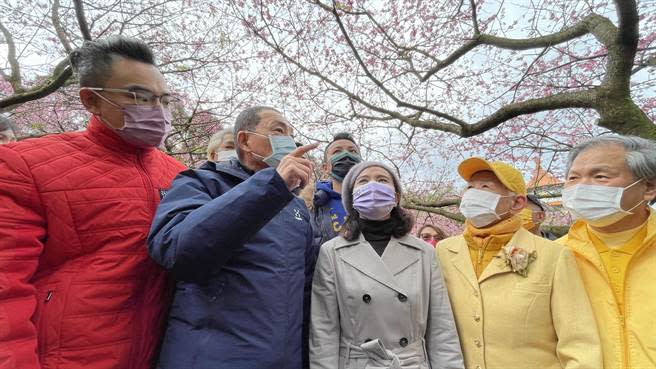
{"points": [[240, 248]]}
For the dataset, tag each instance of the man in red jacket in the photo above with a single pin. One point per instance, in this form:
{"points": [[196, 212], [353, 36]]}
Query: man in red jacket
{"points": [[77, 289]]}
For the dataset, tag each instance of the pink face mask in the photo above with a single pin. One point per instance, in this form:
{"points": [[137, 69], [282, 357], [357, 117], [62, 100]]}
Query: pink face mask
{"points": [[144, 125]]}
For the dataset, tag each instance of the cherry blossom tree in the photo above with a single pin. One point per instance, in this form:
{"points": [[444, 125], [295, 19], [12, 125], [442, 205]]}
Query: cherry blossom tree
{"points": [[508, 80], [421, 84]]}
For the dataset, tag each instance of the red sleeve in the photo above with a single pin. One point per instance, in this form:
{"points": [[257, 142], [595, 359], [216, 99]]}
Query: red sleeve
{"points": [[22, 231]]}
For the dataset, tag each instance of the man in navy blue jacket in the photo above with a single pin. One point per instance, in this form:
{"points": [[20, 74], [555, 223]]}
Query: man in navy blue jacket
{"points": [[239, 244]]}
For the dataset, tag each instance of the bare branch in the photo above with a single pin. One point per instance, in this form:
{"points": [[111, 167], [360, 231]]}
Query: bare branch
{"points": [[380, 85], [50, 86], [474, 17], [650, 62], [61, 33], [579, 29], [82, 20], [444, 213], [15, 76]]}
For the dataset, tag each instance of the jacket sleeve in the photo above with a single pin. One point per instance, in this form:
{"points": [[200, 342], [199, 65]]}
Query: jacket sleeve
{"points": [[316, 226], [324, 320], [442, 339], [578, 345], [194, 234], [310, 262], [22, 233]]}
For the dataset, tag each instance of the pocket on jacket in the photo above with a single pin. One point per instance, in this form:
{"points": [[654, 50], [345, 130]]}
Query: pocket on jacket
{"points": [[45, 310], [197, 305], [539, 288]]}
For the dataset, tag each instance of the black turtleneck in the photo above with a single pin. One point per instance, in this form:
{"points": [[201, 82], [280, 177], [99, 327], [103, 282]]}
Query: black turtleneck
{"points": [[377, 233]]}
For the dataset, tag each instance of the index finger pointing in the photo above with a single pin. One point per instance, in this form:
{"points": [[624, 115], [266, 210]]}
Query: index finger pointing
{"points": [[300, 151]]}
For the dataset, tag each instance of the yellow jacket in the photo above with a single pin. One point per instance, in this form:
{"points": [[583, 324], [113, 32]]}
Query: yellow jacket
{"points": [[506, 321], [628, 342]]}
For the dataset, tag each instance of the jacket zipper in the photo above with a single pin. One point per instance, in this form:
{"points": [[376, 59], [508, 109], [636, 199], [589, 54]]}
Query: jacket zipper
{"points": [[146, 180], [625, 306], [137, 328]]}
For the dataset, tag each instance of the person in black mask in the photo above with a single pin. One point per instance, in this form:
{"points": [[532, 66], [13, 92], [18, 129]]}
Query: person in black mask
{"points": [[328, 213]]}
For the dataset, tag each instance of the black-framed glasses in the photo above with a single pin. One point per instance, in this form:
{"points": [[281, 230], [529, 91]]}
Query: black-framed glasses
{"points": [[141, 97]]}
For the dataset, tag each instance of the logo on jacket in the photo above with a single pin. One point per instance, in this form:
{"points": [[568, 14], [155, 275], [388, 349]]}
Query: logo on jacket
{"points": [[297, 214], [162, 192]]}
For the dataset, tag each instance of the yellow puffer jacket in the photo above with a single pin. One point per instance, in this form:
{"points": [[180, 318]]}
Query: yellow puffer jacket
{"points": [[629, 341]]}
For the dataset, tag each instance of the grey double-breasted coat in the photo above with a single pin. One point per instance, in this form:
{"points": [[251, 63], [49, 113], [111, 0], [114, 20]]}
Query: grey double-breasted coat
{"points": [[390, 311]]}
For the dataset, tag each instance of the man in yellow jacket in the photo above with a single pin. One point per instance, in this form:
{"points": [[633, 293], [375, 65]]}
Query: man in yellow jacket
{"points": [[518, 299], [610, 181]]}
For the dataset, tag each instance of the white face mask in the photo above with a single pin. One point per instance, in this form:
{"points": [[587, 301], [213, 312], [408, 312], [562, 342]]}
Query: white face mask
{"points": [[480, 207], [599, 206], [225, 155]]}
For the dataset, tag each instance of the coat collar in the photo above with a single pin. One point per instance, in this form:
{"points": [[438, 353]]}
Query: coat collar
{"points": [[461, 258], [578, 239], [232, 167], [399, 254], [462, 261]]}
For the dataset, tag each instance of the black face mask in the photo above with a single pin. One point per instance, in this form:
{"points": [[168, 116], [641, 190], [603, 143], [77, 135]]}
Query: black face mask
{"points": [[341, 163]]}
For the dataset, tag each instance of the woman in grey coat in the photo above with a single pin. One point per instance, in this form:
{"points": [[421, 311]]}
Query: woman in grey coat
{"points": [[378, 297]]}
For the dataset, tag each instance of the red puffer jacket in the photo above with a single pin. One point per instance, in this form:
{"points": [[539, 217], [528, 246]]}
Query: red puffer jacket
{"points": [[77, 289]]}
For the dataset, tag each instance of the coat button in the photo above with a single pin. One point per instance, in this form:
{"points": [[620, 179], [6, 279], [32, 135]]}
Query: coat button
{"points": [[477, 318], [366, 298], [403, 342], [402, 297]]}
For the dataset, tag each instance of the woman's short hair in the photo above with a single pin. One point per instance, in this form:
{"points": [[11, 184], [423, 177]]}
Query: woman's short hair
{"points": [[216, 140]]}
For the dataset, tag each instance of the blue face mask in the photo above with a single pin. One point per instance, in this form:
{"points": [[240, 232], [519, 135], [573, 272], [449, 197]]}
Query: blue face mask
{"points": [[281, 146]]}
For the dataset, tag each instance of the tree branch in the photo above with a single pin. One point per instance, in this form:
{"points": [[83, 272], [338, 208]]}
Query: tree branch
{"points": [[446, 214], [576, 99], [474, 16], [579, 29], [82, 20], [15, 76], [53, 83], [378, 83], [56, 22]]}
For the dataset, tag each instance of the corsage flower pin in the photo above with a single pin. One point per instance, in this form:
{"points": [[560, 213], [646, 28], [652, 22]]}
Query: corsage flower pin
{"points": [[518, 259]]}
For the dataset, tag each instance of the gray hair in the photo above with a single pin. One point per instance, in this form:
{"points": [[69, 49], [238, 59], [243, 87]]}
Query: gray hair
{"points": [[93, 61], [640, 153], [5, 124], [217, 140], [248, 119]]}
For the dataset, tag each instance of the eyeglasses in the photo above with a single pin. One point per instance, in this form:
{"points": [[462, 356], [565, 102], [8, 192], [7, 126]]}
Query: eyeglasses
{"points": [[141, 97]]}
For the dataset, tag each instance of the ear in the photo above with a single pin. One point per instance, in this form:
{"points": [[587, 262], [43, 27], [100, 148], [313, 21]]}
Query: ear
{"points": [[650, 192], [519, 203], [242, 141], [398, 198], [90, 100], [325, 168]]}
